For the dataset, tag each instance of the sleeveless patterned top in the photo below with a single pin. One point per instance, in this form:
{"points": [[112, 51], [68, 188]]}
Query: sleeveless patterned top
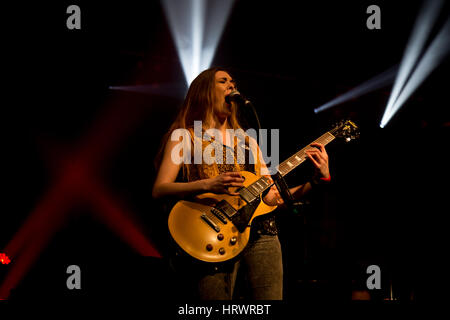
{"points": [[244, 156]]}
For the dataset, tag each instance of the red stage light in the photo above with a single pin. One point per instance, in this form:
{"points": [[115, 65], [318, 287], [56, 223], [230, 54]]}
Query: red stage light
{"points": [[4, 259], [74, 178]]}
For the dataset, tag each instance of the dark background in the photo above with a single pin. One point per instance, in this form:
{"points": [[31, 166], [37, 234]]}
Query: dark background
{"points": [[387, 202]]}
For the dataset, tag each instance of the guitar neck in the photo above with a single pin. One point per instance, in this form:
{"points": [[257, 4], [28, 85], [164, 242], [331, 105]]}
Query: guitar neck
{"points": [[299, 157], [263, 183]]}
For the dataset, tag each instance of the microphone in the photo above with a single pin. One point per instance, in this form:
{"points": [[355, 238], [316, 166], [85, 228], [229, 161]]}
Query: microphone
{"points": [[237, 97], [240, 100]]}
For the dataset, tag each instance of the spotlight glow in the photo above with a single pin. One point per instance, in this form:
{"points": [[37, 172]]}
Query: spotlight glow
{"points": [[421, 31], [373, 84], [435, 54], [4, 259], [196, 26]]}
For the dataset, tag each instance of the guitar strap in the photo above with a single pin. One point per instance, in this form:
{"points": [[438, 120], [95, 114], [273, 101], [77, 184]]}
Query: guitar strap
{"points": [[285, 194], [283, 189]]}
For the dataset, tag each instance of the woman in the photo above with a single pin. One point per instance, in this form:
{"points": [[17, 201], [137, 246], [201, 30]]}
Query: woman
{"points": [[261, 261]]}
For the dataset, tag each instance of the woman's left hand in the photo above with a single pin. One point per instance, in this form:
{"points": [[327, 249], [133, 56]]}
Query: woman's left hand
{"points": [[319, 157], [273, 197]]}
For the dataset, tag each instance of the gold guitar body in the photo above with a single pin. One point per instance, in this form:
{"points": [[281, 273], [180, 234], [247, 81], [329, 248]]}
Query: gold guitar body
{"points": [[210, 239], [200, 229]]}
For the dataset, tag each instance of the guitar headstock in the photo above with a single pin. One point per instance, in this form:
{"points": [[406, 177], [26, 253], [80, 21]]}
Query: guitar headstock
{"points": [[347, 130]]}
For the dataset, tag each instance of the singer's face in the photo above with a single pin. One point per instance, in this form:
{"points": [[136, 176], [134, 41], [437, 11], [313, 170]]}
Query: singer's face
{"points": [[224, 85]]}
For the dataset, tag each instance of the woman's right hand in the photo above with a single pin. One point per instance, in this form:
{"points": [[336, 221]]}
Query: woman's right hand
{"points": [[222, 183]]}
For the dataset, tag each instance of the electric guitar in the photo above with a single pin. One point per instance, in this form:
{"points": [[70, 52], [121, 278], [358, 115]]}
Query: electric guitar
{"points": [[216, 227]]}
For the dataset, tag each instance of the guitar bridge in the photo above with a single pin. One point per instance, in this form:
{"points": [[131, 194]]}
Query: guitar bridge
{"points": [[210, 222]]}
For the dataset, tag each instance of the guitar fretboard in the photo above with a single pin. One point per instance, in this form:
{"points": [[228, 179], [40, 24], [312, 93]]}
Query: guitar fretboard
{"points": [[259, 186], [292, 162], [263, 183]]}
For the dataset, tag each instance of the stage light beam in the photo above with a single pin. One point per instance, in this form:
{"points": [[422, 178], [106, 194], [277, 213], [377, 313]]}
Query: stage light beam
{"points": [[196, 26], [371, 85], [75, 181], [422, 28], [435, 54]]}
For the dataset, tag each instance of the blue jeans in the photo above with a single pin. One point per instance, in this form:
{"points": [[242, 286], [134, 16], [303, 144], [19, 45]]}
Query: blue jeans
{"points": [[260, 266]]}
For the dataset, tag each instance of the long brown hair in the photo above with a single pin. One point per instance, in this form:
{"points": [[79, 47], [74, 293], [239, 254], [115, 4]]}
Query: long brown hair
{"points": [[198, 105]]}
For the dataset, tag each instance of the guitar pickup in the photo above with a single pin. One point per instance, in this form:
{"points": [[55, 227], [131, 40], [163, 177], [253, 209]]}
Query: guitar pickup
{"points": [[226, 208], [219, 215], [210, 222]]}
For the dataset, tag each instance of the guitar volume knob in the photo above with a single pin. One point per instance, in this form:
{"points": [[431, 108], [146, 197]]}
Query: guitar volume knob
{"points": [[222, 251], [233, 240]]}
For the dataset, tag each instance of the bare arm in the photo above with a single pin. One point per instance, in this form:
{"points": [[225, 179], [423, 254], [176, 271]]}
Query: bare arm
{"points": [[165, 184]]}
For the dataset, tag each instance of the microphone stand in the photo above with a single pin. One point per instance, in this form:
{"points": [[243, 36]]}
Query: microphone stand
{"points": [[293, 206], [248, 103]]}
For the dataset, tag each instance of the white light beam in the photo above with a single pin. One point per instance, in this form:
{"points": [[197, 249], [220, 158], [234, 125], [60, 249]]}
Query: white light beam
{"points": [[373, 84], [196, 26], [435, 54], [421, 31]]}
